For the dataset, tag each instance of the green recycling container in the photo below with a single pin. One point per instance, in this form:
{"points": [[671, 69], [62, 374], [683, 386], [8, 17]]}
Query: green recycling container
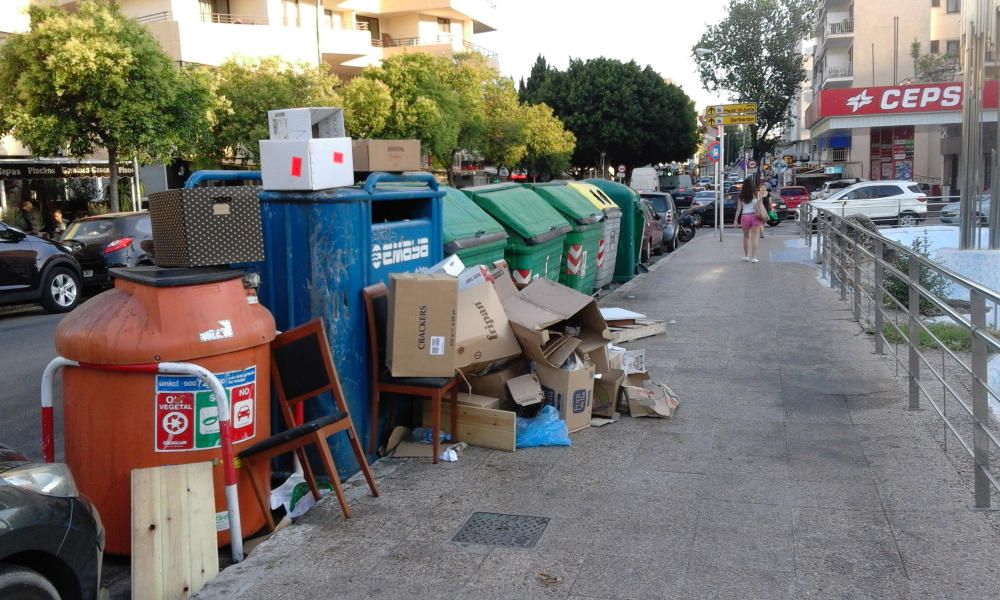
{"points": [[607, 249], [579, 261], [469, 231], [537, 231], [633, 222]]}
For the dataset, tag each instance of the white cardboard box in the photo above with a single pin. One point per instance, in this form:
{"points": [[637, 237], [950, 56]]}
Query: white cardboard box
{"points": [[314, 164], [305, 123]]}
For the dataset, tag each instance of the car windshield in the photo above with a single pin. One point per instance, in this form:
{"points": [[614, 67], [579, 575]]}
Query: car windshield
{"points": [[140, 226], [793, 191], [915, 189], [89, 230], [704, 195]]}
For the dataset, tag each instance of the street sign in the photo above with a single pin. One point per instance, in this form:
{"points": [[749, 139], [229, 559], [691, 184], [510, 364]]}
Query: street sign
{"points": [[714, 151], [736, 120], [621, 169], [789, 159], [731, 109], [752, 164]]}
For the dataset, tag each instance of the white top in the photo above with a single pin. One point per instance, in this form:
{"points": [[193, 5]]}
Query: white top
{"points": [[749, 207]]}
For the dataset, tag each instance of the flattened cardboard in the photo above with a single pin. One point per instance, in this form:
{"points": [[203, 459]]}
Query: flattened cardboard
{"points": [[606, 390], [525, 390], [634, 362], [451, 265], [571, 392], [420, 335], [477, 400], [484, 334], [647, 398]]}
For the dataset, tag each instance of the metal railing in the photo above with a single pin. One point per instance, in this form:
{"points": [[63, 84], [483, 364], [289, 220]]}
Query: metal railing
{"points": [[427, 40], [156, 17], [833, 72], [892, 289], [230, 19], [840, 27]]}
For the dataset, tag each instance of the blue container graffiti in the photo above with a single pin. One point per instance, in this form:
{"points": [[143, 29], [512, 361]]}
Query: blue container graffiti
{"points": [[323, 247]]}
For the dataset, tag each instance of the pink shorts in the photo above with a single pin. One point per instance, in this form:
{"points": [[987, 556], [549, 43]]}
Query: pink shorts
{"points": [[749, 221]]}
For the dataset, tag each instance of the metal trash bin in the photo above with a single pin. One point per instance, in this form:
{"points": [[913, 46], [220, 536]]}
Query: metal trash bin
{"points": [[632, 224], [607, 249], [579, 263], [323, 247], [469, 231], [537, 231]]}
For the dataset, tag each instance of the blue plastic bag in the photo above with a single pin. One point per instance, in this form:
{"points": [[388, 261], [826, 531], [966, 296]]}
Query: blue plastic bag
{"points": [[547, 429]]}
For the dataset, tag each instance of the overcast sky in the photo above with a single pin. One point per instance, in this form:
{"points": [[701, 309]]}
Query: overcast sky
{"points": [[659, 33]]}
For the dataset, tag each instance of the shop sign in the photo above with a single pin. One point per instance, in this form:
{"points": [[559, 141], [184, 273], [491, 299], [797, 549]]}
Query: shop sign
{"points": [[929, 97], [76, 170]]}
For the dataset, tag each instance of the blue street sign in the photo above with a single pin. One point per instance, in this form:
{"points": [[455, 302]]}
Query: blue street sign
{"points": [[714, 152]]}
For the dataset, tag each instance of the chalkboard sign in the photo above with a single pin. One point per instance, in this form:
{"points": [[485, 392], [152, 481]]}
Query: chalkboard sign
{"points": [[300, 366]]}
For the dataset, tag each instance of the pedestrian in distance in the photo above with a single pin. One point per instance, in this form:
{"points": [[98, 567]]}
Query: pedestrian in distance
{"points": [[765, 198], [750, 216], [58, 224], [28, 219]]}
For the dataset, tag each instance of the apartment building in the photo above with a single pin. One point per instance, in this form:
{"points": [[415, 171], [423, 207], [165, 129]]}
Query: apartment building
{"points": [[795, 139], [870, 111]]}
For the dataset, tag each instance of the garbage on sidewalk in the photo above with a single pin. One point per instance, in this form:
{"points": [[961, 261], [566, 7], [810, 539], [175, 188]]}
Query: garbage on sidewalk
{"points": [[627, 326], [547, 429]]}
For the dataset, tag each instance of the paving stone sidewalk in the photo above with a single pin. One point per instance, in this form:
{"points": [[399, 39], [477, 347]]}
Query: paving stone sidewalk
{"points": [[791, 470]]}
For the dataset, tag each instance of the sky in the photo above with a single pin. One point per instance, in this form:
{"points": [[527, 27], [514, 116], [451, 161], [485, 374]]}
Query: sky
{"points": [[659, 33]]}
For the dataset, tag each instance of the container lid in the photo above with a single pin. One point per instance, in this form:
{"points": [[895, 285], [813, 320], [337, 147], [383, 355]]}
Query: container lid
{"points": [[465, 224], [521, 210], [569, 202], [597, 197], [623, 196], [174, 277]]}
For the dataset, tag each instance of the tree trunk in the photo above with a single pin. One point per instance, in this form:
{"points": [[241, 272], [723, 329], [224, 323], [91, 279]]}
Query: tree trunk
{"points": [[113, 167]]}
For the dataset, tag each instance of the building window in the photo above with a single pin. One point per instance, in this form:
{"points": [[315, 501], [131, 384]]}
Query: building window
{"points": [[328, 18], [210, 8], [444, 25], [951, 47], [935, 46], [291, 10], [371, 25], [935, 3], [953, 6]]}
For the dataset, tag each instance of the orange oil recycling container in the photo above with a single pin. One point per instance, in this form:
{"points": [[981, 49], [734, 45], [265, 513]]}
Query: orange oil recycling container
{"points": [[114, 422]]}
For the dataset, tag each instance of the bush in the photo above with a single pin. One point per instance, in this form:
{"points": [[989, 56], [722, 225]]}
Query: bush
{"points": [[954, 337], [930, 280]]}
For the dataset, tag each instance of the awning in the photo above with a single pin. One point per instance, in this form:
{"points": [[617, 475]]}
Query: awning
{"points": [[60, 170]]}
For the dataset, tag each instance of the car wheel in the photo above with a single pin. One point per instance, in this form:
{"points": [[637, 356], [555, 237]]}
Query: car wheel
{"points": [[61, 290], [25, 584], [773, 222], [908, 219]]}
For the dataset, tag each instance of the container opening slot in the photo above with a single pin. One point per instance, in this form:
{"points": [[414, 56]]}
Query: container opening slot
{"points": [[401, 210]]}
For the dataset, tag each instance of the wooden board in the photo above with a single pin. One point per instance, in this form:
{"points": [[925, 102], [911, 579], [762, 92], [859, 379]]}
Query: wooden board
{"points": [[643, 328], [174, 548], [484, 427]]}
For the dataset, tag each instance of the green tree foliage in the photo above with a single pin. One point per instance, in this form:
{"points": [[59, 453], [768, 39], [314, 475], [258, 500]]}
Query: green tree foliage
{"points": [[247, 89], [755, 57], [503, 140], [90, 79], [628, 112], [367, 105], [931, 68], [548, 146]]}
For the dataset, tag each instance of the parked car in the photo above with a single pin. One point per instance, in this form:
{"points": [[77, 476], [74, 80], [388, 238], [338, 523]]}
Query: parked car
{"points": [[107, 241], [51, 537], [886, 201], [33, 269], [703, 198], [683, 195], [665, 209], [830, 187], [706, 212], [652, 232], [645, 179], [794, 195], [950, 213], [705, 181]]}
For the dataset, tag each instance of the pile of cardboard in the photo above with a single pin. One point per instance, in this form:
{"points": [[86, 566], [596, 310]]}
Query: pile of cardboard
{"points": [[515, 350], [309, 149]]}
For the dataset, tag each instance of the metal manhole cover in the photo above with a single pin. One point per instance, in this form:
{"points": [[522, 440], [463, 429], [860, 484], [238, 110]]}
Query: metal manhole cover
{"points": [[493, 529]]}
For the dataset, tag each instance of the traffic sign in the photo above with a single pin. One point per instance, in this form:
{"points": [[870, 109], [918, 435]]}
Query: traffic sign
{"points": [[731, 109], [714, 151], [736, 120], [621, 169], [752, 164]]}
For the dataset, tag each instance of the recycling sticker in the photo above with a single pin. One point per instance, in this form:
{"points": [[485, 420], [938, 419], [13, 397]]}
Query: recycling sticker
{"points": [[187, 417]]}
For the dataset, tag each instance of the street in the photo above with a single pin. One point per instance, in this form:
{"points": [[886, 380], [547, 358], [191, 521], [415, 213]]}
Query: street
{"points": [[26, 335]]}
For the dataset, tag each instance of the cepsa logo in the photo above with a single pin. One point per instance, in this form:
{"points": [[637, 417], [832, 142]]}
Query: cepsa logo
{"points": [[928, 97]]}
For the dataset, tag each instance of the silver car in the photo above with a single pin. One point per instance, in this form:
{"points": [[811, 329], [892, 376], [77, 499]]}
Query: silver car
{"points": [[951, 211]]}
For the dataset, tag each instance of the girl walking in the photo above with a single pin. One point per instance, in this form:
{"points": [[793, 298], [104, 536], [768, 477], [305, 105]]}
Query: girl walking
{"points": [[750, 216]]}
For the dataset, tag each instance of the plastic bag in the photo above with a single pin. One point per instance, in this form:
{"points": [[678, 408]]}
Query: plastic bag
{"points": [[295, 495], [547, 429]]}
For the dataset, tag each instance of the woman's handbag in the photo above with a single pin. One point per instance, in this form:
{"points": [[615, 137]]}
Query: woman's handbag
{"points": [[760, 211]]}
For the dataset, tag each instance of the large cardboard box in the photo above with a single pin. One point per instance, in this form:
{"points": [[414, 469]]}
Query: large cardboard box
{"points": [[312, 164], [495, 383], [420, 336], [484, 334], [387, 155], [305, 123], [571, 392]]}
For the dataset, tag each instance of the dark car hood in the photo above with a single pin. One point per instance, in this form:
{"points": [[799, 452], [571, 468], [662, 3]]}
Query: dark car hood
{"points": [[10, 459]]}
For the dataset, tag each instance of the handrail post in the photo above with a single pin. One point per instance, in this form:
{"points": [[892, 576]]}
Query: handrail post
{"points": [[842, 261], [821, 239], [877, 292], [856, 288], [914, 333], [980, 406]]}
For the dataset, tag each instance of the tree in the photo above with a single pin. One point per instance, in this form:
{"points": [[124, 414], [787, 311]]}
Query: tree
{"points": [[628, 112], [247, 89], [548, 146], [931, 68], [367, 104], [90, 79], [754, 56], [504, 137]]}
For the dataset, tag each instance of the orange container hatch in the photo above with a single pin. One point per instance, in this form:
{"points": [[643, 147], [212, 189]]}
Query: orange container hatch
{"points": [[115, 422]]}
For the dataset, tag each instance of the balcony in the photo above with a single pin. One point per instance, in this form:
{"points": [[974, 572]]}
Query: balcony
{"points": [[220, 18], [339, 45], [835, 31], [482, 13], [837, 77]]}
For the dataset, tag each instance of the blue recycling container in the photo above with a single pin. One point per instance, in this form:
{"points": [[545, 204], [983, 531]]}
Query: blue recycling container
{"points": [[322, 248]]}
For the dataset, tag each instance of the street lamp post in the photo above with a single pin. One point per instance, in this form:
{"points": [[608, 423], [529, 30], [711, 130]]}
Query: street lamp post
{"points": [[720, 220]]}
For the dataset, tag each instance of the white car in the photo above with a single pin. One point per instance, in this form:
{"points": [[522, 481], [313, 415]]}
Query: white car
{"points": [[888, 201], [831, 187]]}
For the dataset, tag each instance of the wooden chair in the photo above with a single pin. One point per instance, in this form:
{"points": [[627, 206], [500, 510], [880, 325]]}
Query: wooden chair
{"points": [[433, 388], [302, 369]]}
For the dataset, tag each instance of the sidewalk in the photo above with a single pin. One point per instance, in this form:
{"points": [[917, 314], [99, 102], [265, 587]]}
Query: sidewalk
{"points": [[791, 470]]}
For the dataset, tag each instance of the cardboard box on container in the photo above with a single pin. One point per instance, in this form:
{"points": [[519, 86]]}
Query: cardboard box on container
{"points": [[306, 123], [570, 391], [386, 155], [420, 338], [313, 164]]}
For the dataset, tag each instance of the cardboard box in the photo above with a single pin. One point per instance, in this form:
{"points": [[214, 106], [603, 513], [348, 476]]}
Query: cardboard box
{"points": [[386, 155], [526, 391], [420, 336], [647, 398], [484, 334], [495, 383], [634, 362], [305, 123], [477, 400], [571, 392], [314, 164]]}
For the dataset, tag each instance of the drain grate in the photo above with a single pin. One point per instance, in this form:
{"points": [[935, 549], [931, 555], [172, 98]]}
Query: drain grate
{"points": [[494, 529]]}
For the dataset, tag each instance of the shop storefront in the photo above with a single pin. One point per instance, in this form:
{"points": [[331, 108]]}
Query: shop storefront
{"points": [[73, 187]]}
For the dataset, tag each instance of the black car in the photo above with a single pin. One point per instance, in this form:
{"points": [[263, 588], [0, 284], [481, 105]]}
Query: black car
{"points": [[107, 241], [664, 207], [33, 269], [682, 196], [707, 211], [51, 537]]}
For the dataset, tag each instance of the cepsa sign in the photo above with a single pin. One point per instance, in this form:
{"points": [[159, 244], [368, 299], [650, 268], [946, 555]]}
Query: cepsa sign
{"points": [[930, 97]]}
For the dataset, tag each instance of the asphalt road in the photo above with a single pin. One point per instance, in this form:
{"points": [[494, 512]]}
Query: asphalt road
{"points": [[26, 340]]}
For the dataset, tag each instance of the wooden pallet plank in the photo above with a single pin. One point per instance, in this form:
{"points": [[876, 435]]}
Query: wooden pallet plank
{"points": [[484, 427], [643, 328]]}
